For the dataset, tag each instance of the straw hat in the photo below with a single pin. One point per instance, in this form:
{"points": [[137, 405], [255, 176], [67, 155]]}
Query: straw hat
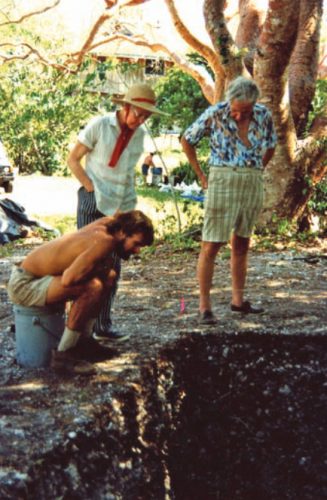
{"points": [[141, 96]]}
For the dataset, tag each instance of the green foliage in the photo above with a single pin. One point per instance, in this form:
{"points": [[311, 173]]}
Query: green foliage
{"points": [[199, 60], [189, 238], [318, 202], [184, 172], [40, 110], [161, 209], [181, 97], [64, 224], [280, 227], [283, 233], [9, 249], [319, 102], [180, 242], [225, 253]]}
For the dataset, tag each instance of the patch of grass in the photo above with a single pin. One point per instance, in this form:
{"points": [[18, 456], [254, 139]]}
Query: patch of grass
{"points": [[181, 243], [148, 252], [8, 249], [63, 223], [162, 211], [153, 193], [225, 253], [18, 247]]}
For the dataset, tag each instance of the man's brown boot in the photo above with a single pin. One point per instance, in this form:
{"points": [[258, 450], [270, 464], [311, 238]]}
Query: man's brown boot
{"points": [[64, 362]]}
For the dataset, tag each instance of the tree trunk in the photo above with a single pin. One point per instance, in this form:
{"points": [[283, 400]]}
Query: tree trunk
{"points": [[287, 187], [304, 63], [270, 72]]}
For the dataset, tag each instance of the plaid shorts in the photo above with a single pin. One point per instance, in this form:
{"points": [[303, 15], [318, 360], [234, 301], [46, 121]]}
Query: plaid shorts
{"points": [[233, 202]]}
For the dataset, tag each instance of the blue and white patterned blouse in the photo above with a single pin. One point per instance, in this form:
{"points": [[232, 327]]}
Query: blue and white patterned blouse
{"points": [[226, 147]]}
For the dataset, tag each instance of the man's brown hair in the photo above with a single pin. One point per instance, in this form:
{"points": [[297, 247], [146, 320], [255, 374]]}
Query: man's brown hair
{"points": [[133, 222]]}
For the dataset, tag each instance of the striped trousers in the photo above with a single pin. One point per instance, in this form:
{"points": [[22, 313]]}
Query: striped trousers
{"points": [[87, 212]]}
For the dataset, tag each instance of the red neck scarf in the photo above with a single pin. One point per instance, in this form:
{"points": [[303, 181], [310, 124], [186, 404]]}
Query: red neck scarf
{"points": [[121, 143]]}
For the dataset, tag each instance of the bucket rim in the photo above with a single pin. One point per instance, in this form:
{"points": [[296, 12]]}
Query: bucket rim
{"points": [[40, 310]]}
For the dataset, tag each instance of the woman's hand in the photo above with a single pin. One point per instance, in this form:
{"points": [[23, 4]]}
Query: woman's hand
{"points": [[88, 185], [74, 162]]}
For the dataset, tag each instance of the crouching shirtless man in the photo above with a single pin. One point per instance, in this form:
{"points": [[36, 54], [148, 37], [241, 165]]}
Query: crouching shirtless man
{"points": [[77, 267]]}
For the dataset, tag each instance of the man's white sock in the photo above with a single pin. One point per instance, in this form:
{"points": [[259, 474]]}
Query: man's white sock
{"points": [[69, 339], [88, 330]]}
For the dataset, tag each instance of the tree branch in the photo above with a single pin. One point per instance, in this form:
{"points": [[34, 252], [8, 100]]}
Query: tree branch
{"points": [[30, 14], [30, 51], [78, 57], [197, 72], [204, 50], [313, 148], [221, 38], [249, 29], [114, 6]]}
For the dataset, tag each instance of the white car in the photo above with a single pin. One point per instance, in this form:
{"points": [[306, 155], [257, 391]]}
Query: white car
{"points": [[6, 171]]}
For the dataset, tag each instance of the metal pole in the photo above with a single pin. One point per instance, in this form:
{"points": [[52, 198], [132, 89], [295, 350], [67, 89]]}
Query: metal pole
{"points": [[167, 173]]}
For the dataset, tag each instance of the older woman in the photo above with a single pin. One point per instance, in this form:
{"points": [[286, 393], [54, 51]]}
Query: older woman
{"points": [[242, 141]]}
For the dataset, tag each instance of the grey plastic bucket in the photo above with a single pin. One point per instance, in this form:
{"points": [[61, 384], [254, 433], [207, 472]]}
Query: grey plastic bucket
{"points": [[38, 331]]}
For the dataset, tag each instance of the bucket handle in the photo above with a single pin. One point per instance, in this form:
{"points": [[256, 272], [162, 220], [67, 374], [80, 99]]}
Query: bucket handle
{"points": [[36, 321]]}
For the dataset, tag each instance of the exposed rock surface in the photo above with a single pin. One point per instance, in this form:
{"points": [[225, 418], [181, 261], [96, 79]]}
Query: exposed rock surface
{"points": [[236, 411]]}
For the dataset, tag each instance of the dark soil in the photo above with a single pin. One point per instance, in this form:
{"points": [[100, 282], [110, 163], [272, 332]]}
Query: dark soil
{"points": [[155, 419]]}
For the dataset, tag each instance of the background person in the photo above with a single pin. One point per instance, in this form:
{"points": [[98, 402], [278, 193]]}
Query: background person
{"points": [[147, 163], [79, 267], [242, 141], [111, 145]]}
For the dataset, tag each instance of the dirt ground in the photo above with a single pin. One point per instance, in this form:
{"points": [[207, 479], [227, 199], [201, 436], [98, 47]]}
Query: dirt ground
{"points": [[157, 303], [157, 299]]}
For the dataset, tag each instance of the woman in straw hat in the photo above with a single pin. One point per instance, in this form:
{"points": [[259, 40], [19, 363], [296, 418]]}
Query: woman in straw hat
{"points": [[111, 145]]}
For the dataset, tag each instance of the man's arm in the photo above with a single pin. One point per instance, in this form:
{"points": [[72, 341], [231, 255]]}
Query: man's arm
{"points": [[74, 163], [190, 152], [86, 263]]}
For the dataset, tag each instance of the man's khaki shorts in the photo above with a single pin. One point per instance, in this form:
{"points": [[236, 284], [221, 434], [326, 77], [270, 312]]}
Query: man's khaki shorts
{"points": [[233, 202], [26, 290]]}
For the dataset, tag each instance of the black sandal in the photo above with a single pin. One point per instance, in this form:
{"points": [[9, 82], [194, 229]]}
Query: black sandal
{"points": [[246, 308], [207, 318]]}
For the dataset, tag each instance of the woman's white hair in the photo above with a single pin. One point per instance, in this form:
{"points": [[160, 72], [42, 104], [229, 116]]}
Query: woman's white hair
{"points": [[242, 89]]}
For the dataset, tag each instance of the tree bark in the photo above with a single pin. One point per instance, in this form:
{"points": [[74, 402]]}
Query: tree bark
{"points": [[304, 63], [221, 38], [250, 26]]}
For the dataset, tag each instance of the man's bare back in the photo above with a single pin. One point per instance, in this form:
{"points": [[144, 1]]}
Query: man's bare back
{"points": [[74, 255]]}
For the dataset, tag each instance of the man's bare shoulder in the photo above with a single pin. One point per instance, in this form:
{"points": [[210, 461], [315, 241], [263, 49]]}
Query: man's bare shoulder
{"points": [[93, 234], [101, 223]]}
